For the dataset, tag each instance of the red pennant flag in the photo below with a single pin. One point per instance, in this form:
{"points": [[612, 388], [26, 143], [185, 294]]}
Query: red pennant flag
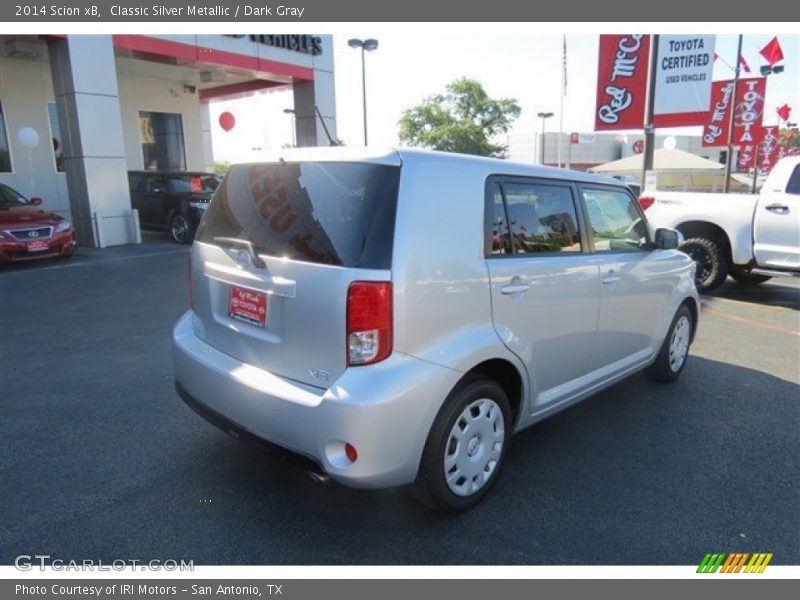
{"points": [[744, 64], [784, 112], [772, 52], [716, 56]]}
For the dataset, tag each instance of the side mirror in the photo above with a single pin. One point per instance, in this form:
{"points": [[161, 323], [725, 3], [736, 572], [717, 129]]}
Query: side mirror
{"points": [[36, 201], [667, 239]]}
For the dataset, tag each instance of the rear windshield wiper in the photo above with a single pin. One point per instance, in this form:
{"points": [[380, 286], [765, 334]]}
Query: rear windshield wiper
{"points": [[244, 244]]}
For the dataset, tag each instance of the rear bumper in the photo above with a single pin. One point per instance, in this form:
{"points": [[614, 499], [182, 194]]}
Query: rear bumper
{"points": [[60, 244], [384, 410], [243, 434]]}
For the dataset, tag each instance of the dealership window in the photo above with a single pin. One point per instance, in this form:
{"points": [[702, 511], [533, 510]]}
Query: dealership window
{"points": [[162, 141], [55, 132], [5, 151]]}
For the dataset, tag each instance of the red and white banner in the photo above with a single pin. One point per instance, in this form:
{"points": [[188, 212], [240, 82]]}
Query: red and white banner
{"points": [[765, 153], [748, 112], [621, 82]]}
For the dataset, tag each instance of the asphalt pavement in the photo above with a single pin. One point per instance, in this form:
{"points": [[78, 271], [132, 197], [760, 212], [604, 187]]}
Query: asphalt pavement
{"points": [[100, 459]]}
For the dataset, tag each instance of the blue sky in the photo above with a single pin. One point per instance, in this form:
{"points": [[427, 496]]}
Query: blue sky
{"points": [[406, 68]]}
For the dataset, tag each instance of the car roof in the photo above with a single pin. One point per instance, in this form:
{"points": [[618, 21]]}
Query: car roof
{"points": [[400, 156]]}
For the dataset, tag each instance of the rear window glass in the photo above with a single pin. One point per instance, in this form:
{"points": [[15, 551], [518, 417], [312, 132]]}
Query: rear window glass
{"points": [[330, 213]]}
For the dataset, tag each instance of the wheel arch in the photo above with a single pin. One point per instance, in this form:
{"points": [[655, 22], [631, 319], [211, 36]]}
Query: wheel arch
{"points": [[707, 230], [507, 376]]}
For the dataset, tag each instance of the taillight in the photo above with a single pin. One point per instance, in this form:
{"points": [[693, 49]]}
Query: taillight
{"points": [[646, 202], [369, 322], [191, 292]]}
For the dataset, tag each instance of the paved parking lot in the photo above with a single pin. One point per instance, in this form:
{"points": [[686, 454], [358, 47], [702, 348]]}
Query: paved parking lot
{"points": [[100, 459]]}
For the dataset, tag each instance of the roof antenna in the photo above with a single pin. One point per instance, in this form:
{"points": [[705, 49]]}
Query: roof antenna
{"points": [[325, 127]]}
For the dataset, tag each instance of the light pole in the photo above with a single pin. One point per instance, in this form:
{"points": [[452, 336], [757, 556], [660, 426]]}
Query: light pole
{"points": [[366, 46], [543, 116], [731, 116]]}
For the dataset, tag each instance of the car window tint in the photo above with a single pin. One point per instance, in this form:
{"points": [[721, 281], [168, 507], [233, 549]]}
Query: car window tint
{"points": [[9, 197], [501, 239], [327, 213], [134, 181], [615, 220], [793, 187], [543, 218]]}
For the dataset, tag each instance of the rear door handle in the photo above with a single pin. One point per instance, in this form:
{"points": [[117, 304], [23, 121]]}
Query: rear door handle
{"points": [[610, 277], [780, 208]]}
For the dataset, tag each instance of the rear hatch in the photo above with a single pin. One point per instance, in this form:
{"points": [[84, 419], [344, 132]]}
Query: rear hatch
{"points": [[276, 252]]}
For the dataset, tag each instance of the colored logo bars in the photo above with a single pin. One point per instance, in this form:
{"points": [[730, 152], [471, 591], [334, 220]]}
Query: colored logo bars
{"points": [[735, 562]]}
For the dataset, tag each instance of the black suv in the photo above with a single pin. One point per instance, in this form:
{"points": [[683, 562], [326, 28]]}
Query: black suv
{"points": [[172, 201]]}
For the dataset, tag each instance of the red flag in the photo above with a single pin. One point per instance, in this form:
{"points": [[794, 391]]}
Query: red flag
{"points": [[716, 56], [772, 52], [621, 81], [744, 64], [784, 112]]}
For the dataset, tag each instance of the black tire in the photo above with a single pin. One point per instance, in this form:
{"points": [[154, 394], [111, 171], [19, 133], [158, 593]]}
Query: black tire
{"points": [[745, 277], [180, 229], [431, 486], [665, 370], [711, 259]]}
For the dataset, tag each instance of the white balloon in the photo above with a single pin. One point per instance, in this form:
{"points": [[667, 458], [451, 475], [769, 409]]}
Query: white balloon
{"points": [[28, 137]]}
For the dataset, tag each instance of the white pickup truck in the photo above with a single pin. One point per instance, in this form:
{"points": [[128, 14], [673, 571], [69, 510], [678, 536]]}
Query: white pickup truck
{"points": [[751, 238]]}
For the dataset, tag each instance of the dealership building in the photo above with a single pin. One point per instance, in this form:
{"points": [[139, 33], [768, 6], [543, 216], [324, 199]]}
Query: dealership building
{"points": [[583, 151], [103, 105]]}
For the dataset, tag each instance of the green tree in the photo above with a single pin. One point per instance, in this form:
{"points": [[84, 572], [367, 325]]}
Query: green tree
{"points": [[789, 137], [463, 119], [221, 167]]}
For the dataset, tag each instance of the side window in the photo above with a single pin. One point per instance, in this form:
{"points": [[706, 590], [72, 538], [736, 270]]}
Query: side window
{"points": [[793, 187], [501, 239], [543, 218], [135, 182], [617, 225]]}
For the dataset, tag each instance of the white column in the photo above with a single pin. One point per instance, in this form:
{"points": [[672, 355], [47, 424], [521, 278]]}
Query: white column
{"points": [[85, 85], [205, 131], [321, 93]]}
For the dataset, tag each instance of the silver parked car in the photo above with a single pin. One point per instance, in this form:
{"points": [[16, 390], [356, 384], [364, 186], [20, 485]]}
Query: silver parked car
{"points": [[394, 317]]}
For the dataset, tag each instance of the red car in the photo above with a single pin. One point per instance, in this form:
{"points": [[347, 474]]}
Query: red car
{"points": [[27, 232]]}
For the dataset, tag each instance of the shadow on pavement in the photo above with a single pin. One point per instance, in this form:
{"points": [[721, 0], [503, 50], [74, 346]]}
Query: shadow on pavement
{"points": [[783, 292]]}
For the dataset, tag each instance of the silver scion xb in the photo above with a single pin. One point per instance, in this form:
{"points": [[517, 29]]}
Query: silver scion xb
{"points": [[394, 317]]}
